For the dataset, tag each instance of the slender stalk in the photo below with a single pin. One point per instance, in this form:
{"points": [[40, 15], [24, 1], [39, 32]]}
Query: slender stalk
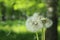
{"points": [[43, 33], [37, 36]]}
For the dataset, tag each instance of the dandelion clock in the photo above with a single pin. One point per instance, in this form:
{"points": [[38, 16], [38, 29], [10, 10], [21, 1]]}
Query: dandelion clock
{"points": [[46, 22], [33, 23]]}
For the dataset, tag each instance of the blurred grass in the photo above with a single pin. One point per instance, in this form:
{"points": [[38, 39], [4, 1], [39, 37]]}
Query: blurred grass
{"points": [[18, 31], [18, 28]]}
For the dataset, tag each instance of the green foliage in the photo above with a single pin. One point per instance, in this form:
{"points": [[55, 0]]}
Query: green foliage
{"points": [[23, 4], [26, 6], [18, 26], [1, 0], [8, 3], [41, 5]]}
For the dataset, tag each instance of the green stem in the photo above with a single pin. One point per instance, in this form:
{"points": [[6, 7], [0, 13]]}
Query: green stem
{"points": [[37, 36], [43, 33]]}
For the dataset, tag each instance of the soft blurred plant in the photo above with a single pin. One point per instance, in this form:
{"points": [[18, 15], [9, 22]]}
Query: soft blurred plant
{"points": [[34, 23], [37, 22], [47, 23]]}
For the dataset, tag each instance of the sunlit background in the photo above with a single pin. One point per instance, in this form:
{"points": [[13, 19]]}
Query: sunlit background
{"points": [[13, 15]]}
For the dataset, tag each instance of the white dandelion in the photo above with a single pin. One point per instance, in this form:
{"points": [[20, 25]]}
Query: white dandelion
{"points": [[47, 22], [34, 24]]}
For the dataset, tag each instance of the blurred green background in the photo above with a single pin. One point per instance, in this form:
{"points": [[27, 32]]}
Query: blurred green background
{"points": [[13, 15]]}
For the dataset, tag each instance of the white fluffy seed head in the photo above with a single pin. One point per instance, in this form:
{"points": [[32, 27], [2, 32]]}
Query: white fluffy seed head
{"points": [[48, 23], [33, 24]]}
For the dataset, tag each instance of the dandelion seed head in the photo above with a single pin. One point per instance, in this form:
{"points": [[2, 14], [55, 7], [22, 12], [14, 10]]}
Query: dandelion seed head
{"points": [[48, 23], [34, 24]]}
